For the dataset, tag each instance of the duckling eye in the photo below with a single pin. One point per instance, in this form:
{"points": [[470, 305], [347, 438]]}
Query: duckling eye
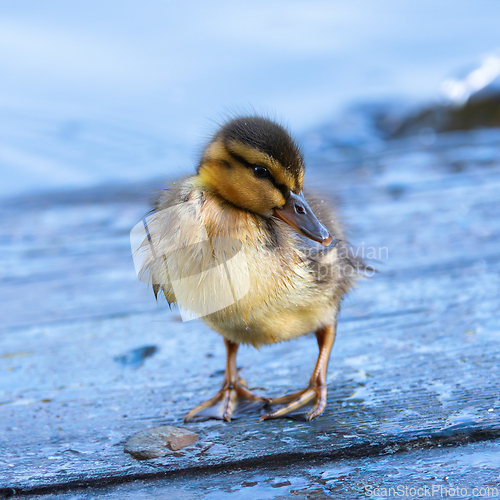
{"points": [[261, 172]]}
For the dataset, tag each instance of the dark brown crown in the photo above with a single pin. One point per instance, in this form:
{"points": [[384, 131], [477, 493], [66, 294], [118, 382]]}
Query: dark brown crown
{"points": [[266, 136]]}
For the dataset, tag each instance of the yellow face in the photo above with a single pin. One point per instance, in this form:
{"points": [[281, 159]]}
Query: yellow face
{"points": [[247, 177]]}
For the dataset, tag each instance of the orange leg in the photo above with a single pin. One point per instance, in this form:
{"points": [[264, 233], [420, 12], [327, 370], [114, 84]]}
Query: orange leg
{"points": [[233, 390], [316, 390]]}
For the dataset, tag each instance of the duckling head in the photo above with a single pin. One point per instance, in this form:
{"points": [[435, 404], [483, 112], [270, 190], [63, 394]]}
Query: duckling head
{"points": [[253, 163]]}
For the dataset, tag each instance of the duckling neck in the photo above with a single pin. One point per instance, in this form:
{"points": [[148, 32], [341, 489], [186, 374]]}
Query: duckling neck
{"points": [[205, 180]]}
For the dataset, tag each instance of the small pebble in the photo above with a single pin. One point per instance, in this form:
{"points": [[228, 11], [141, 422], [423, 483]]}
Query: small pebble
{"points": [[159, 441]]}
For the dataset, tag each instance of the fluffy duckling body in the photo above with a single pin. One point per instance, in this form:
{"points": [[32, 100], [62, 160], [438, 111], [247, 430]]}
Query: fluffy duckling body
{"points": [[296, 264]]}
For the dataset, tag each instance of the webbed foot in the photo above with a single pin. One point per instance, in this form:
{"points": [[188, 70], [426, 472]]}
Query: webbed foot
{"points": [[316, 390], [232, 398]]}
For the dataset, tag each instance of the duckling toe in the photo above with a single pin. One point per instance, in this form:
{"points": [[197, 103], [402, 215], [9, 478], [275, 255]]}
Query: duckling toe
{"points": [[314, 392], [320, 404], [233, 400]]}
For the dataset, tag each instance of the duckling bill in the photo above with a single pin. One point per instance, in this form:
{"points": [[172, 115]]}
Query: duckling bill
{"points": [[294, 268]]}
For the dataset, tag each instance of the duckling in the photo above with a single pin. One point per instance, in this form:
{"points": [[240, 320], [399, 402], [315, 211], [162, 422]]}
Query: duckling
{"points": [[291, 265]]}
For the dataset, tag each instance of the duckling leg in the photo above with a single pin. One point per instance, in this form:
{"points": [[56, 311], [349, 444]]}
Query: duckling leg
{"points": [[316, 390], [234, 389]]}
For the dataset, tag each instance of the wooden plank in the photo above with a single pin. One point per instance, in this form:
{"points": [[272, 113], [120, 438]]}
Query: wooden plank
{"points": [[458, 472], [414, 363]]}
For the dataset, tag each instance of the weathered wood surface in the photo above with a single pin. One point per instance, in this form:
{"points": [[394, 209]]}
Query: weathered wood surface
{"points": [[455, 471], [414, 364]]}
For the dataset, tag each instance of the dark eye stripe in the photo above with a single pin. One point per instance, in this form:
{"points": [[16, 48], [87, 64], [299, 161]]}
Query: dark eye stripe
{"points": [[281, 187]]}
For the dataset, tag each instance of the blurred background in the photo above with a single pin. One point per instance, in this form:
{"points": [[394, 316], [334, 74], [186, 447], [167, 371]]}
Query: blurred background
{"points": [[101, 92]]}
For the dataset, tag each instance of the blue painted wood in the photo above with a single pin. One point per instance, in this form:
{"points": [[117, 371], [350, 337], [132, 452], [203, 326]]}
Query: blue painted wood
{"points": [[442, 472]]}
